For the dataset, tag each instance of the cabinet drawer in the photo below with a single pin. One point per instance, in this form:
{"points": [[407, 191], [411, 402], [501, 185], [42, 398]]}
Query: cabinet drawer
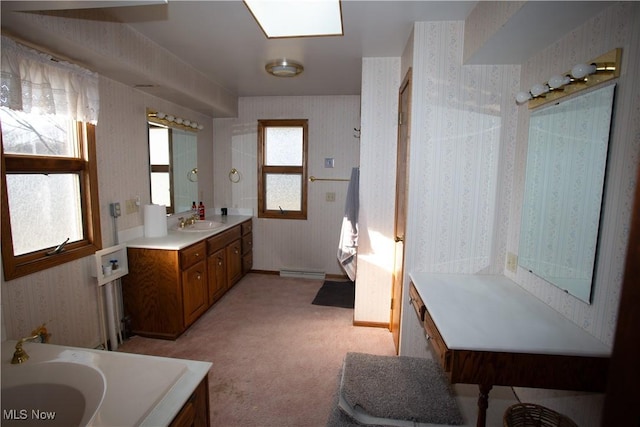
{"points": [[247, 227], [219, 241], [247, 243], [438, 344], [417, 303], [192, 254]]}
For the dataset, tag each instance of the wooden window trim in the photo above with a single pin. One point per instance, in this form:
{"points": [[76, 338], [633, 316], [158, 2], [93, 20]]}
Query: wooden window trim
{"points": [[263, 169], [86, 167]]}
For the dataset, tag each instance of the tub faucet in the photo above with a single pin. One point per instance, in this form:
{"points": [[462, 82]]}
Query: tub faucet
{"points": [[21, 356]]}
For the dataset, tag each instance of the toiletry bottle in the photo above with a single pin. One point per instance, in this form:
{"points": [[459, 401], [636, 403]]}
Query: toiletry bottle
{"points": [[194, 208], [201, 210]]}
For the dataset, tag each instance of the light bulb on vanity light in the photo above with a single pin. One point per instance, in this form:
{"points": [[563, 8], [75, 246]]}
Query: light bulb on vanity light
{"points": [[522, 97], [170, 118], [160, 115], [581, 71], [539, 89], [557, 81]]}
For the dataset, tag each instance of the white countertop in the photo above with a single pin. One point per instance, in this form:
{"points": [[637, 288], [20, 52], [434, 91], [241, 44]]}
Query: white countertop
{"points": [[492, 313], [176, 240], [141, 390]]}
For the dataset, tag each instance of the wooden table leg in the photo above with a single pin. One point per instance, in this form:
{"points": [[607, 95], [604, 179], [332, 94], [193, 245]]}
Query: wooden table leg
{"points": [[483, 404]]}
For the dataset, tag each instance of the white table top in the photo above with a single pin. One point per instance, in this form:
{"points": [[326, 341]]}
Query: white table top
{"points": [[492, 313]]}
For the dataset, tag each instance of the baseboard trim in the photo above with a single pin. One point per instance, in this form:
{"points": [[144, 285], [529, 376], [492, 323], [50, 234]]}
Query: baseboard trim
{"points": [[277, 273], [371, 324]]}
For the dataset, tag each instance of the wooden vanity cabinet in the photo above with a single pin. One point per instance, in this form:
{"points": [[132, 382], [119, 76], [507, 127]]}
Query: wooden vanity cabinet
{"points": [[165, 291], [247, 246], [217, 269], [224, 260], [194, 282], [195, 412]]}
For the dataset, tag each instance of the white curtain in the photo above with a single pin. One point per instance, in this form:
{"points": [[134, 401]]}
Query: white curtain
{"points": [[37, 83]]}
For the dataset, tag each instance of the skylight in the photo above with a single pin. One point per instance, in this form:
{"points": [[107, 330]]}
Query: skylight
{"points": [[301, 18]]}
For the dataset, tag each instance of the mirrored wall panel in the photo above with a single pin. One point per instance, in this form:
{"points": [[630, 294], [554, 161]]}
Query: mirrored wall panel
{"points": [[566, 163]]}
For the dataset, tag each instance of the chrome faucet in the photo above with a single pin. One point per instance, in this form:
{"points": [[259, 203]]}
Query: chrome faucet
{"points": [[21, 356]]}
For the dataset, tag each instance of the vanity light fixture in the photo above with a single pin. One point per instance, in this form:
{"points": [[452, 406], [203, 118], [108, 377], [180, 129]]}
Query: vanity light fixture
{"points": [[582, 76], [284, 68], [165, 119]]}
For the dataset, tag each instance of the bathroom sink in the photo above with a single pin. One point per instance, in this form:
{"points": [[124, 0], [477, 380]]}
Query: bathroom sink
{"points": [[201, 225], [52, 393]]}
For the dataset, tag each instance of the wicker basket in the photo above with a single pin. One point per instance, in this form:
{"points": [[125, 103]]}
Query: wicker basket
{"points": [[531, 415]]}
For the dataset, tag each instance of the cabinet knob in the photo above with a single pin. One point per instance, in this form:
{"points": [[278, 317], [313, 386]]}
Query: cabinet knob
{"points": [[198, 277]]}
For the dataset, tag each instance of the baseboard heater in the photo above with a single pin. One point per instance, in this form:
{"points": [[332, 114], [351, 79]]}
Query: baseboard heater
{"points": [[302, 274]]}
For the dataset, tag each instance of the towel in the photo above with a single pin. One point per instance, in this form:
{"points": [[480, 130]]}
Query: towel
{"points": [[348, 245]]}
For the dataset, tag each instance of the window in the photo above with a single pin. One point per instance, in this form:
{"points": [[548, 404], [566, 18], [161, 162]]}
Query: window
{"points": [[282, 169], [49, 191], [160, 147]]}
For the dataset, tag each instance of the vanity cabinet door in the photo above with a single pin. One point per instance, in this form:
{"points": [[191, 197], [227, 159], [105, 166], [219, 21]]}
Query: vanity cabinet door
{"points": [[234, 262], [194, 292], [217, 270], [152, 293], [195, 412]]}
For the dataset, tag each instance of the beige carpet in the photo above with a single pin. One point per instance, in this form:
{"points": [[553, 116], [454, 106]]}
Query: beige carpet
{"points": [[276, 357]]}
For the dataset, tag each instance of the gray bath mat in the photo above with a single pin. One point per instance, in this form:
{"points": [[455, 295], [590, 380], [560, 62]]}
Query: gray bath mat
{"points": [[396, 391]]}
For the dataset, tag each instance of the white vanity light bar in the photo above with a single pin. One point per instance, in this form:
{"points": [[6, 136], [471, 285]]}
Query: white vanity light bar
{"points": [[297, 18]]}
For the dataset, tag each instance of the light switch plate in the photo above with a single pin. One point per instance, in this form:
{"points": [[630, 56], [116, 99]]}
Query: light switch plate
{"points": [[329, 162]]}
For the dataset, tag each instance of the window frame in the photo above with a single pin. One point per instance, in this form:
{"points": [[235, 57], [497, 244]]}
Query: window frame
{"points": [[264, 169], [85, 165]]}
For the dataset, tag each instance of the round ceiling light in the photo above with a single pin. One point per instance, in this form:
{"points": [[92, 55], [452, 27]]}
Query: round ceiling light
{"points": [[284, 68]]}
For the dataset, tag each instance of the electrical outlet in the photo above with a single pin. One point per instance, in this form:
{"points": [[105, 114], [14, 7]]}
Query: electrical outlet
{"points": [[330, 197], [512, 262], [131, 206]]}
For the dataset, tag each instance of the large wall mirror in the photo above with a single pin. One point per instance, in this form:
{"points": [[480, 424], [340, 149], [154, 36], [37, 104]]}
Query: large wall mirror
{"points": [[566, 163], [173, 166]]}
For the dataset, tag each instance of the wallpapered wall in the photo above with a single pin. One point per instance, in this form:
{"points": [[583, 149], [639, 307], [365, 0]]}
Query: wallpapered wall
{"points": [[444, 101], [291, 244], [380, 83], [462, 150], [614, 27], [65, 297]]}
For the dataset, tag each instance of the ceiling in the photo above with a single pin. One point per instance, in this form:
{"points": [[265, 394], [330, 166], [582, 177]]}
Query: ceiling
{"points": [[222, 40]]}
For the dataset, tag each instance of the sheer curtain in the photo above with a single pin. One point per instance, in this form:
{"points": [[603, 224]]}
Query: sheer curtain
{"points": [[35, 82]]}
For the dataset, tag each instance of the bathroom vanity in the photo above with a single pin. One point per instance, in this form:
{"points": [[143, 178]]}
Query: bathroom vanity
{"points": [[487, 330], [175, 279], [87, 387]]}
